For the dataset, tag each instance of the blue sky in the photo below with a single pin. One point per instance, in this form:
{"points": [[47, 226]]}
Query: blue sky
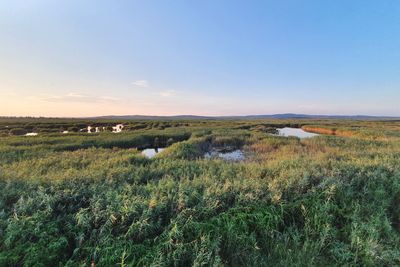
{"points": [[84, 58]]}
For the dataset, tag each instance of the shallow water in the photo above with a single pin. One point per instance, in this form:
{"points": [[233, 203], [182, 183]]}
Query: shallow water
{"points": [[297, 132], [236, 155], [118, 128], [151, 152]]}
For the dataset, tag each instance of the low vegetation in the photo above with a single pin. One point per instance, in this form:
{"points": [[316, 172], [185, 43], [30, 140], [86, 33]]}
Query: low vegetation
{"points": [[76, 198]]}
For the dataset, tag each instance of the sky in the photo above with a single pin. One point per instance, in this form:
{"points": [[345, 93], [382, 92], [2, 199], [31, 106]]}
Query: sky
{"points": [[73, 58]]}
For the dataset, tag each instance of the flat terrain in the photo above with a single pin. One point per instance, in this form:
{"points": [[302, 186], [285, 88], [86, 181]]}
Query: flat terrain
{"points": [[67, 199]]}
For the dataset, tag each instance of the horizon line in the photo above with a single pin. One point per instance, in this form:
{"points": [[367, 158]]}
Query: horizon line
{"points": [[207, 116]]}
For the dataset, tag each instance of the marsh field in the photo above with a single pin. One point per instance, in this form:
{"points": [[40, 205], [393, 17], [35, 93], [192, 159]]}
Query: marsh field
{"points": [[70, 198]]}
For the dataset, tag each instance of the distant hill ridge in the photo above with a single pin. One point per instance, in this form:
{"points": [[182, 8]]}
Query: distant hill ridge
{"points": [[248, 117]]}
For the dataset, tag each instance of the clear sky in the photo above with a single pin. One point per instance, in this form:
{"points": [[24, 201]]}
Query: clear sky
{"points": [[208, 57]]}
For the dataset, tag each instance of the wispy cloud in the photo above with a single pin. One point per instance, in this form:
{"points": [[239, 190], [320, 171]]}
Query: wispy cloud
{"points": [[167, 93], [76, 97], [141, 83]]}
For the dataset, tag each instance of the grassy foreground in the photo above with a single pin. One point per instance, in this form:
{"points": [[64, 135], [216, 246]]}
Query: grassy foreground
{"points": [[331, 200]]}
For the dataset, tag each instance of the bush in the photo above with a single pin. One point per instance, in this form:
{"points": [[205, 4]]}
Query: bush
{"points": [[18, 131], [73, 129], [170, 141]]}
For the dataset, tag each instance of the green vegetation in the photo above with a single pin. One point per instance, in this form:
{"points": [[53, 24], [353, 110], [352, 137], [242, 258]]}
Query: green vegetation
{"points": [[69, 199]]}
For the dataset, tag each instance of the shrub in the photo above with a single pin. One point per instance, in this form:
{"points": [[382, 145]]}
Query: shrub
{"points": [[73, 129], [18, 131]]}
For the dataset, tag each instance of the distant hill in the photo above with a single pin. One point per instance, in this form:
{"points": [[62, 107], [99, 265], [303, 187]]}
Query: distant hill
{"points": [[246, 117], [144, 117]]}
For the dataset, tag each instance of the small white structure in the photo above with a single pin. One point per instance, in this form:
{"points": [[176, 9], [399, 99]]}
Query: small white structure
{"points": [[118, 128], [89, 129], [65, 132], [97, 129], [31, 134]]}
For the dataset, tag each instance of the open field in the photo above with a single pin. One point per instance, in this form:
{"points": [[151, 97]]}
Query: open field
{"points": [[70, 199]]}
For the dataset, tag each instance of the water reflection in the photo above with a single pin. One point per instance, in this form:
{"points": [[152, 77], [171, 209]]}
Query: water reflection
{"points": [[297, 132], [151, 152], [236, 155]]}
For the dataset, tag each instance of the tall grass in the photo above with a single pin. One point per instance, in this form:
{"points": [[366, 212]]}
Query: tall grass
{"points": [[324, 201]]}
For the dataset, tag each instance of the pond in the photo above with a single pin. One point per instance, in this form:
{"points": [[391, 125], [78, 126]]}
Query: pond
{"points": [[151, 152], [235, 155], [297, 132], [118, 128]]}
